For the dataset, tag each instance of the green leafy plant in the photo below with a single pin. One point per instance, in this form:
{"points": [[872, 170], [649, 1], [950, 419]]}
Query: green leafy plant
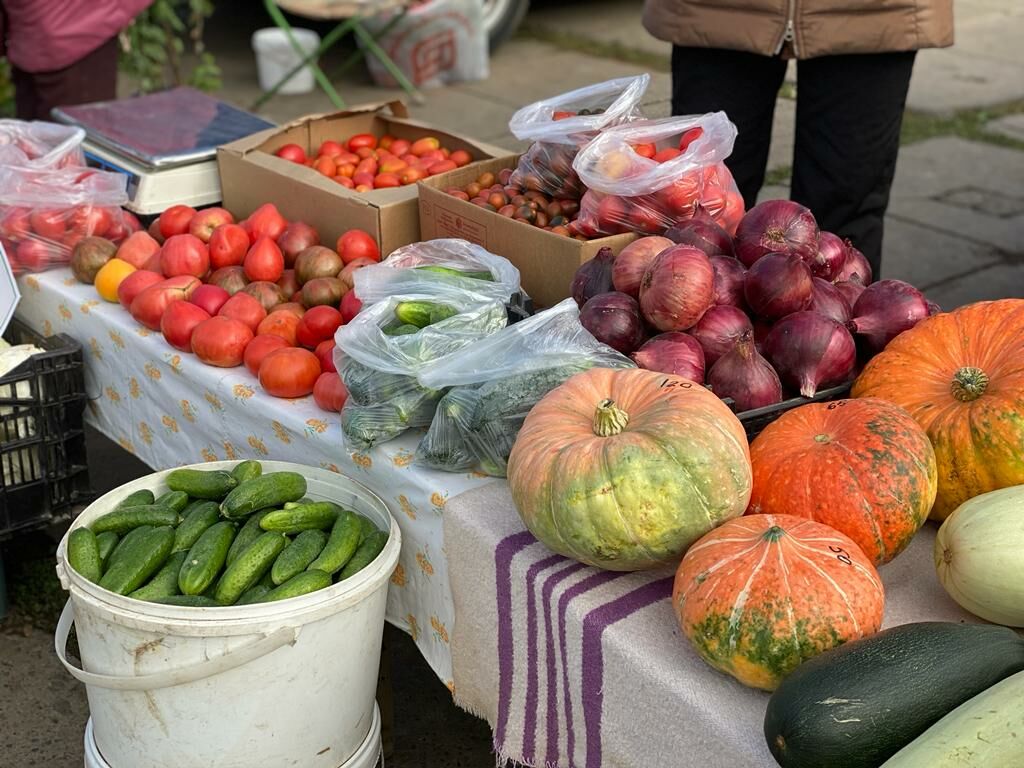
{"points": [[6, 89], [164, 47]]}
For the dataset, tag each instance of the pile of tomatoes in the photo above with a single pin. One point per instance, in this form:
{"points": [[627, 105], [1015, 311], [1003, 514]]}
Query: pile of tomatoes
{"points": [[365, 162]]}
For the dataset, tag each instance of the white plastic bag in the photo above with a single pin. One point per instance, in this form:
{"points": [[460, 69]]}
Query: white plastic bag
{"points": [[496, 381], [413, 266], [40, 145], [435, 43]]}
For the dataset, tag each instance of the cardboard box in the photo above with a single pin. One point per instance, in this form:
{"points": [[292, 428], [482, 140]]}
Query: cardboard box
{"points": [[546, 261], [251, 175]]}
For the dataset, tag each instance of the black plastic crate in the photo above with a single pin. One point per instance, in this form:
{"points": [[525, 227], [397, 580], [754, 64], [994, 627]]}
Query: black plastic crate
{"points": [[43, 468], [755, 420]]}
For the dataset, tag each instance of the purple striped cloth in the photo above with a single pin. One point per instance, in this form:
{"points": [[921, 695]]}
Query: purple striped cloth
{"points": [[574, 667]]}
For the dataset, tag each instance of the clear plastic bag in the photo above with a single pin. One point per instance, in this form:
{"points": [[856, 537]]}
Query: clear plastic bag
{"points": [[559, 126], [379, 354], [40, 145], [446, 261], [648, 175], [496, 381]]}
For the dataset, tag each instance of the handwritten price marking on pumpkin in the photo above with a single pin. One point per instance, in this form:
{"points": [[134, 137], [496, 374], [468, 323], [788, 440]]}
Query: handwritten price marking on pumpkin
{"points": [[841, 554], [836, 404], [680, 383]]}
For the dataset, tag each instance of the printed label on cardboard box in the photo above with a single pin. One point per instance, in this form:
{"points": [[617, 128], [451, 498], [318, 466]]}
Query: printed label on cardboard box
{"points": [[449, 223]]}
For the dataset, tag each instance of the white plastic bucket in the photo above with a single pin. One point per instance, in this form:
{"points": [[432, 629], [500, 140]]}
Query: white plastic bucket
{"points": [[284, 683], [369, 754], [275, 58]]}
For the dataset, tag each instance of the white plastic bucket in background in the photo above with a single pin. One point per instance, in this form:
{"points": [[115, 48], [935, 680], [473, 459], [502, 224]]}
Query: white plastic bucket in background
{"points": [[284, 683], [275, 58]]}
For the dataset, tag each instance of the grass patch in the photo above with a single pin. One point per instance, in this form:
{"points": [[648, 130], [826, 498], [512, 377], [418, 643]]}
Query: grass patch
{"points": [[778, 176], [571, 41], [966, 124]]}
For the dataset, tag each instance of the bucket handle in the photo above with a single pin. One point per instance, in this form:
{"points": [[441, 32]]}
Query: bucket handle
{"points": [[231, 660]]}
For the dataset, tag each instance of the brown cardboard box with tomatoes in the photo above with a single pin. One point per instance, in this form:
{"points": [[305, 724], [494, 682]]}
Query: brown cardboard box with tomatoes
{"points": [[305, 168]]}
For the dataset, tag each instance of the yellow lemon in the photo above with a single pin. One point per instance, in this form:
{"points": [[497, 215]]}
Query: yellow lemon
{"points": [[110, 276]]}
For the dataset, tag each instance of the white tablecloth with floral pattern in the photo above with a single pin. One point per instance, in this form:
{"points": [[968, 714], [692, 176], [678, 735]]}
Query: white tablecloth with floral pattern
{"points": [[169, 409]]}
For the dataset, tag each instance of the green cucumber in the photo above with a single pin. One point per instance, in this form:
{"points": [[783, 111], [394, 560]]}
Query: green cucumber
{"points": [[857, 705], [405, 329], [318, 515], [176, 500], [206, 558], [471, 274], [123, 519], [304, 583], [261, 492], [422, 313], [366, 527], [142, 557], [107, 542], [249, 469], [137, 499], [294, 559], [165, 582], [123, 543], [253, 594], [267, 580], [372, 546], [247, 569], [188, 601], [341, 545], [196, 518], [202, 484], [249, 533], [299, 503], [84, 554]]}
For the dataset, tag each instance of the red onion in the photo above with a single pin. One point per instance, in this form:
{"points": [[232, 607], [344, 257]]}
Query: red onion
{"points": [[829, 301], [633, 260], [856, 267], [594, 277], [745, 376], [851, 291], [933, 309], [762, 328], [718, 330], [676, 353], [885, 310], [830, 258], [729, 275], [702, 233], [677, 288], [777, 285], [810, 352], [614, 319], [776, 226]]}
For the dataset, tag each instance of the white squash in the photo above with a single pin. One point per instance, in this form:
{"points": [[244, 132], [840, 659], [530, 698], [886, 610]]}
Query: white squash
{"points": [[979, 556], [984, 732]]}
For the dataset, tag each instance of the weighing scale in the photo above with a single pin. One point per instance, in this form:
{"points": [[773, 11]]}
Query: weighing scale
{"points": [[165, 142]]}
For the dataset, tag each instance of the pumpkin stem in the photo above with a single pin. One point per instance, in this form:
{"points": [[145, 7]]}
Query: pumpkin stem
{"points": [[608, 419], [969, 383], [773, 534]]}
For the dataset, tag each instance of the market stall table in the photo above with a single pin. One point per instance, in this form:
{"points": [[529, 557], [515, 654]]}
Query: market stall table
{"points": [[169, 409], [580, 668]]}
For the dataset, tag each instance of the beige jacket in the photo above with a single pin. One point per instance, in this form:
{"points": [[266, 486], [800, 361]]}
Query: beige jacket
{"points": [[810, 27]]}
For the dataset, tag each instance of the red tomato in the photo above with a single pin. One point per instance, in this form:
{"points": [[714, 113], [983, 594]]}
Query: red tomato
{"points": [[356, 244], [221, 341], [399, 147], [331, 148], [178, 321], [329, 392], [292, 152], [245, 309], [266, 221], [645, 150], [91, 220], [325, 354], [460, 157], [350, 306], [317, 325], [259, 348], [175, 220], [412, 175], [689, 137], [49, 224], [362, 179], [386, 141], [290, 372], [264, 261], [325, 165], [206, 222], [562, 114], [228, 246], [424, 145], [345, 181], [384, 180], [442, 166], [664, 155], [184, 255], [210, 298], [350, 158], [283, 324], [135, 284], [367, 140]]}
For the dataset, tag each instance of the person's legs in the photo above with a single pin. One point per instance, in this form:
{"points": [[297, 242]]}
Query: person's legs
{"points": [[91, 78], [744, 86], [848, 116]]}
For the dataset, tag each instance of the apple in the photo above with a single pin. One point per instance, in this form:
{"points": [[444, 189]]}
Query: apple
{"points": [[207, 220]]}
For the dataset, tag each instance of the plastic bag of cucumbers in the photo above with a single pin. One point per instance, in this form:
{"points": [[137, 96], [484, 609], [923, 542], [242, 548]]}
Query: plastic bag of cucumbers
{"points": [[220, 538], [380, 353], [445, 261], [495, 382]]}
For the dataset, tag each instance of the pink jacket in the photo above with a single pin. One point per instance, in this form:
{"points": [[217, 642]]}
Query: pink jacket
{"points": [[45, 35]]}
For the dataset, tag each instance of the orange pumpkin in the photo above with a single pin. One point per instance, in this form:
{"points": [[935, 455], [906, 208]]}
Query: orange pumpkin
{"points": [[863, 467], [961, 376], [624, 469], [760, 595]]}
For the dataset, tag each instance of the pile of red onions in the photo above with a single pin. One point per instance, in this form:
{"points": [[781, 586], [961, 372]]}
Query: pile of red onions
{"points": [[614, 319], [593, 277], [719, 329], [745, 376], [677, 288], [704, 233], [675, 353], [830, 258], [884, 310], [729, 277], [777, 285], [810, 352], [633, 261], [856, 267], [828, 300], [777, 226]]}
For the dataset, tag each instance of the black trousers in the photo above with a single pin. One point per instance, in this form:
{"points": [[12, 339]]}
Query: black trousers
{"points": [[848, 114]]}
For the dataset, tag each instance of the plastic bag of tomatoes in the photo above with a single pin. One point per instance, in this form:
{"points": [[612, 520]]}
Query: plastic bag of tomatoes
{"points": [[44, 213], [559, 126], [380, 352], [40, 145], [648, 175]]}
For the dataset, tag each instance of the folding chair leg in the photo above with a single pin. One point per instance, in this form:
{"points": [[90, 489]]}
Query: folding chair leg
{"points": [[389, 65], [359, 55]]}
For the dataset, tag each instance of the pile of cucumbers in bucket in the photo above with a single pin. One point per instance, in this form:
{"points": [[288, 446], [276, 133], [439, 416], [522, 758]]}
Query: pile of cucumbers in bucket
{"points": [[220, 538]]}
